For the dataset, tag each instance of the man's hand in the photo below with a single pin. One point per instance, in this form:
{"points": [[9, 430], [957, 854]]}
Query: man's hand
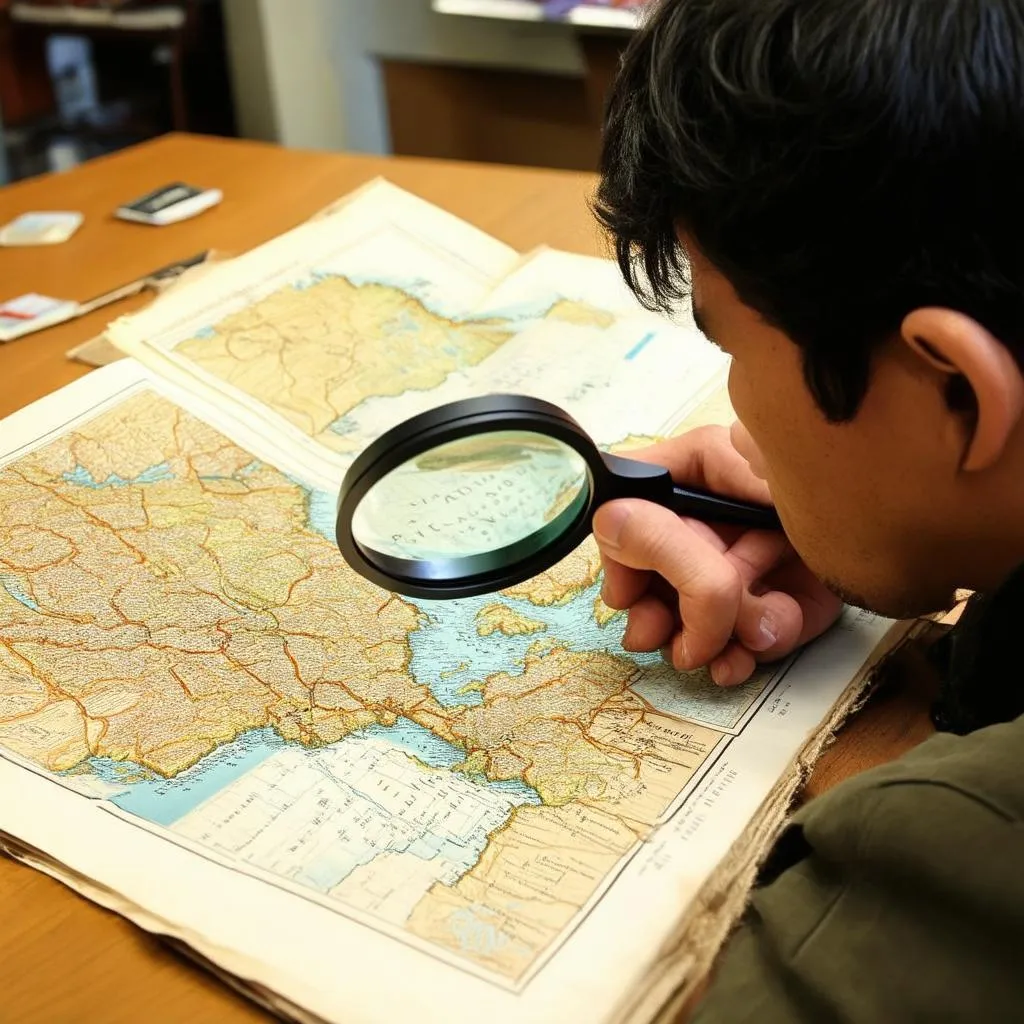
{"points": [[717, 596]]}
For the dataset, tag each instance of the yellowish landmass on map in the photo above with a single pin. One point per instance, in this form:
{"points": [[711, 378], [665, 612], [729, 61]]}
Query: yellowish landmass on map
{"points": [[580, 313], [602, 613], [545, 645], [151, 623], [550, 726], [499, 618], [562, 582], [313, 354], [633, 442], [626, 765], [526, 887]]}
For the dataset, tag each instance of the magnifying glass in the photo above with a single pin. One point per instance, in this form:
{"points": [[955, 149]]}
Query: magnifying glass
{"points": [[480, 494]]}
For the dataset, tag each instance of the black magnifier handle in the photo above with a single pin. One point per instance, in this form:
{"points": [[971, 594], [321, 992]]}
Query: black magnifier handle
{"points": [[713, 508], [631, 478]]}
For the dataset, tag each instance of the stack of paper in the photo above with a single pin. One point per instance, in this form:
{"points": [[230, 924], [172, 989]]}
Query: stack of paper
{"points": [[359, 807]]}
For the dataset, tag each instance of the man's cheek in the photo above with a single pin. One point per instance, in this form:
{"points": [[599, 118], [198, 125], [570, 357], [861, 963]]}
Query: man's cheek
{"points": [[745, 445]]}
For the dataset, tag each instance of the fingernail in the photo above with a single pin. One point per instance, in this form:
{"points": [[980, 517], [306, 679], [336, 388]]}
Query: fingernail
{"points": [[608, 524], [721, 673], [684, 655], [767, 634], [627, 638]]}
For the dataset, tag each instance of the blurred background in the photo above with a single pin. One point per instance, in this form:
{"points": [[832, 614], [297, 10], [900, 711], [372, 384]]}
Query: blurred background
{"points": [[507, 81]]}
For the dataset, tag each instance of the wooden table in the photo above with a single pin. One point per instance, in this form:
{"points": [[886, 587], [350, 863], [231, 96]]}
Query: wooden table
{"points": [[61, 958]]}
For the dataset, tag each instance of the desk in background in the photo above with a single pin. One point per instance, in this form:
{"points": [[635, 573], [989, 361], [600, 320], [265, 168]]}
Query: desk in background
{"points": [[61, 958]]}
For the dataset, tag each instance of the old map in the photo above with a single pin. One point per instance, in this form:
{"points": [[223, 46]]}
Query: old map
{"points": [[313, 354], [183, 636], [381, 320], [363, 808]]}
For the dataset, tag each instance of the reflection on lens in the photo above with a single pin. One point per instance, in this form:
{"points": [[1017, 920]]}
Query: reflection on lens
{"points": [[505, 493]]}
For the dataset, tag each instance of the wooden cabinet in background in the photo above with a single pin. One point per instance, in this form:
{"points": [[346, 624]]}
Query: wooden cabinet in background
{"points": [[502, 116]]}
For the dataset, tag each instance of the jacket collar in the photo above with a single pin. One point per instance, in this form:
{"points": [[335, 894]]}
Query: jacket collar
{"points": [[980, 659]]}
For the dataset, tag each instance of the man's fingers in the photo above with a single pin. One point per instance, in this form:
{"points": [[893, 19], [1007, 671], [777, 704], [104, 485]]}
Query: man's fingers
{"points": [[820, 610], [733, 666], [755, 553], [819, 607], [705, 457], [719, 537], [646, 537], [651, 625], [769, 624], [775, 623], [771, 620], [622, 587]]}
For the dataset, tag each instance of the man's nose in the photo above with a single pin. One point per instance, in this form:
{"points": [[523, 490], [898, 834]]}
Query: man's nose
{"points": [[744, 444]]}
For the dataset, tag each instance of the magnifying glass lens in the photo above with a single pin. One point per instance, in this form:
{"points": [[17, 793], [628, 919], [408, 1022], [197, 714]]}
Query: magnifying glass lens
{"points": [[472, 505]]}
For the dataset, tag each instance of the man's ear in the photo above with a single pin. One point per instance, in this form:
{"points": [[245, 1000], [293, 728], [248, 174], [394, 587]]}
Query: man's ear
{"points": [[959, 346]]}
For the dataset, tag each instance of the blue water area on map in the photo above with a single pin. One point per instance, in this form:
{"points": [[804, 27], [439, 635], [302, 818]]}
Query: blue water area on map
{"points": [[164, 801], [428, 838], [205, 332], [450, 656], [419, 742], [515, 789], [403, 323], [448, 653], [418, 288], [522, 313], [82, 477], [12, 585], [439, 753], [640, 345], [343, 425], [321, 509], [239, 474]]}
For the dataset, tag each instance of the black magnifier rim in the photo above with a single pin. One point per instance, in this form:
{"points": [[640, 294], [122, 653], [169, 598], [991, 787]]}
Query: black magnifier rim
{"points": [[451, 422]]}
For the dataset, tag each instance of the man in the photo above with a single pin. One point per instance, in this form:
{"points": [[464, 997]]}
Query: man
{"points": [[838, 185]]}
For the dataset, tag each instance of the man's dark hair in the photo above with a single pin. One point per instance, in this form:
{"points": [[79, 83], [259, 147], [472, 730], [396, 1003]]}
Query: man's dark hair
{"points": [[841, 162]]}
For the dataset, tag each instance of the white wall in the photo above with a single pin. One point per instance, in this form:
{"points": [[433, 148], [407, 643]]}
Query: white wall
{"points": [[306, 73]]}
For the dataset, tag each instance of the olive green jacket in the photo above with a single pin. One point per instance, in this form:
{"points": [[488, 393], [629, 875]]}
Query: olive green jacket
{"points": [[898, 896]]}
